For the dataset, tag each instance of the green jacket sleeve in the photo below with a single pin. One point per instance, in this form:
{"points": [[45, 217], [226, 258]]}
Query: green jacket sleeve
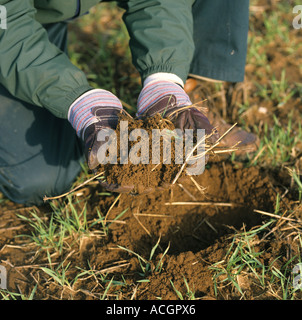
{"points": [[161, 35], [51, 11], [33, 69]]}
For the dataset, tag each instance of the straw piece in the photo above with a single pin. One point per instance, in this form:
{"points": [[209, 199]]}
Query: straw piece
{"points": [[197, 203], [274, 215], [74, 189]]}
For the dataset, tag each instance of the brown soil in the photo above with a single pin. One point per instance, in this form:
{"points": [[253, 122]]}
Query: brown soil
{"points": [[144, 177], [197, 236]]}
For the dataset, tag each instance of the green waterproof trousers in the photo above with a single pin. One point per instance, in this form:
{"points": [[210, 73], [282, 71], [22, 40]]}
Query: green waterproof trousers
{"points": [[40, 154]]}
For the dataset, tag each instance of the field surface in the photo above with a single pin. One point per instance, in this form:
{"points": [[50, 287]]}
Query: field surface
{"points": [[233, 232]]}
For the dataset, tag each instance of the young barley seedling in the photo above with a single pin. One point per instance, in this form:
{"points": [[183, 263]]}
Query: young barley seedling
{"points": [[190, 294], [241, 257], [178, 293], [107, 288], [45, 234], [147, 266]]}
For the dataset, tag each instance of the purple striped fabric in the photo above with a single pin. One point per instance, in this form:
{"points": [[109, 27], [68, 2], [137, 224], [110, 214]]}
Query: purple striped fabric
{"points": [[80, 115], [155, 90]]}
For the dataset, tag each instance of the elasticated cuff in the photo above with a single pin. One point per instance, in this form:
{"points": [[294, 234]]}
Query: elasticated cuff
{"points": [[178, 70]]}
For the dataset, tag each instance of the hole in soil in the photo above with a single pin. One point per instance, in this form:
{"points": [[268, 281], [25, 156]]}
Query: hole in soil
{"points": [[196, 227], [196, 231]]}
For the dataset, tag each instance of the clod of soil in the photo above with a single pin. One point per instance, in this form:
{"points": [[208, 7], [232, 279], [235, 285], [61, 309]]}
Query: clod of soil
{"points": [[146, 174]]}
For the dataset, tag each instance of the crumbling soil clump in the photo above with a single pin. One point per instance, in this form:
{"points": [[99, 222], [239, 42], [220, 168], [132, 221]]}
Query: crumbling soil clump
{"points": [[147, 173]]}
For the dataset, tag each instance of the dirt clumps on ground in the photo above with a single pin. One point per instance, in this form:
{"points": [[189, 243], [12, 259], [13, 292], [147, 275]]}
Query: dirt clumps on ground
{"points": [[233, 232], [196, 227], [193, 226]]}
